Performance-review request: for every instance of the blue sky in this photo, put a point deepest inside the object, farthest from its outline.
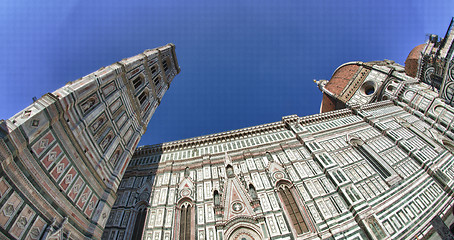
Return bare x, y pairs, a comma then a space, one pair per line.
243, 63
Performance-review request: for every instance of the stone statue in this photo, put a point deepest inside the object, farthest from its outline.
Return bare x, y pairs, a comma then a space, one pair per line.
229, 171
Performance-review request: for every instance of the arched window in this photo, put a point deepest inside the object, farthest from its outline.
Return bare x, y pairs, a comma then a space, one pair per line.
217, 198
185, 222
296, 217
448, 144
269, 157
140, 222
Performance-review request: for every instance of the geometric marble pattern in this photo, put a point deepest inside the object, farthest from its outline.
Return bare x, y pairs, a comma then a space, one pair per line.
62, 159
366, 171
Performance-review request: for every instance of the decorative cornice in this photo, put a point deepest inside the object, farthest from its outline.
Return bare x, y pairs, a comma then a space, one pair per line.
209, 139
377, 105
324, 116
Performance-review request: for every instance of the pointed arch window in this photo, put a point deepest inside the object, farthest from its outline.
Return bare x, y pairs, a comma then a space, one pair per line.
185, 222
269, 157
140, 222
217, 198
293, 211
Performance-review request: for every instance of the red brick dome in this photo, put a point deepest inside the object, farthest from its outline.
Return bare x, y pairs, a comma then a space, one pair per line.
411, 63
341, 77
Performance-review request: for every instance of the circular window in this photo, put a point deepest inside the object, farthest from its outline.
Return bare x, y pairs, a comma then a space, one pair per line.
237, 207
428, 75
451, 71
449, 91
185, 192
279, 175
368, 88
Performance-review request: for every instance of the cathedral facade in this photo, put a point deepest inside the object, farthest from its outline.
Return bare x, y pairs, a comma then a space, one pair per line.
63, 157
376, 163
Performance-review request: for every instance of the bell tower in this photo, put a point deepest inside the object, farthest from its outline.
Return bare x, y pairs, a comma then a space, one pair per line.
63, 157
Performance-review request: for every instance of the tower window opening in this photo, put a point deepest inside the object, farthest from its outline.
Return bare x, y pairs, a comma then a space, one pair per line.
142, 97
164, 65
252, 192
137, 82
153, 69
156, 81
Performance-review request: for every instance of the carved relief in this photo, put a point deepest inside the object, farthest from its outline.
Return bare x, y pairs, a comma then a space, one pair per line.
244, 233
8, 210
106, 141
449, 91
35, 123
115, 156
34, 233
90, 103
26, 113
91, 206
96, 125
76, 188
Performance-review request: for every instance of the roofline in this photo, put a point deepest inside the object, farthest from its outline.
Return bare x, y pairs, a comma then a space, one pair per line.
348, 63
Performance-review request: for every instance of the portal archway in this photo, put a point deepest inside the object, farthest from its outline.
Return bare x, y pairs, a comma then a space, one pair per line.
243, 231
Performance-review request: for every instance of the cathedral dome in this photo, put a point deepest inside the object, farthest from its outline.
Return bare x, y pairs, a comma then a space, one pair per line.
338, 82
328, 104
341, 77
411, 63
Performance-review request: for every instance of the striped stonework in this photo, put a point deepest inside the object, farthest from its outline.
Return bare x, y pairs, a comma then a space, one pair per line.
63, 157
381, 168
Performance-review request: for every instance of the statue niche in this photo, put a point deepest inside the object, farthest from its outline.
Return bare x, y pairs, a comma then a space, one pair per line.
229, 171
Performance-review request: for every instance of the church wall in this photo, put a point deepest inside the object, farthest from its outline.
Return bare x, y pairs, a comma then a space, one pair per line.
375, 171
